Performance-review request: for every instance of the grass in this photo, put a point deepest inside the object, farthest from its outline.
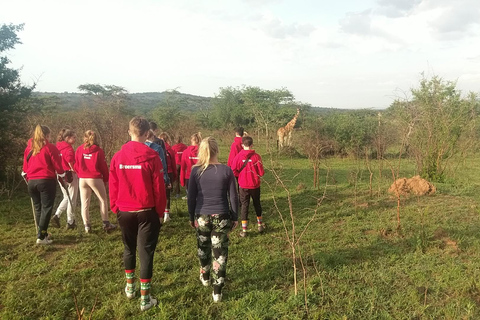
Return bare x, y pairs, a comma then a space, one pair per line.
357, 264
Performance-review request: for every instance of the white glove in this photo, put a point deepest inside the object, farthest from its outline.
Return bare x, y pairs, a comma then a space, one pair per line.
24, 174
62, 175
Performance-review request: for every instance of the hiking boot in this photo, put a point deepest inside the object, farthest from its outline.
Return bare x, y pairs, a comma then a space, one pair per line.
205, 283
109, 227
243, 234
45, 240
216, 297
55, 221
261, 227
130, 293
88, 228
145, 306
184, 198
71, 226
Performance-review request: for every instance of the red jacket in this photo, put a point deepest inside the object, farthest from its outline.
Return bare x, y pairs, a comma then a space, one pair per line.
67, 153
234, 150
189, 158
249, 177
90, 163
179, 148
45, 164
136, 179
171, 163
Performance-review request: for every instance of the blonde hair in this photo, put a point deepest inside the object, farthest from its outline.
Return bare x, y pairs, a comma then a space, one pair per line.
196, 137
39, 138
207, 149
139, 126
90, 138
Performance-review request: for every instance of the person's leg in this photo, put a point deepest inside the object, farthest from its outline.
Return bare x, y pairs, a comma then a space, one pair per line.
37, 202
85, 195
64, 203
255, 194
177, 183
129, 225
204, 245
186, 189
245, 203
47, 189
73, 191
169, 194
148, 230
98, 186
221, 227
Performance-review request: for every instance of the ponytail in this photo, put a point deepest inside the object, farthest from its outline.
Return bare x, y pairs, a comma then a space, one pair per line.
90, 139
39, 138
207, 149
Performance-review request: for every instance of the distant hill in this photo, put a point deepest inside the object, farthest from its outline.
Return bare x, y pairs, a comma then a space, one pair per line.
145, 102
140, 102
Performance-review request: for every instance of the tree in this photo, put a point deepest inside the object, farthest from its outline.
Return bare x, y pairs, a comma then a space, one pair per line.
438, 120
12, 113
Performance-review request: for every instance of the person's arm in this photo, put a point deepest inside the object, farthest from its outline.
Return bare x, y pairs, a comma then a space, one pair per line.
56, 159
158, 187
232, 191
113, 187
192, 194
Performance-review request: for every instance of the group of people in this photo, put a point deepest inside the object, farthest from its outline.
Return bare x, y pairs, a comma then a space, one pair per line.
140, 179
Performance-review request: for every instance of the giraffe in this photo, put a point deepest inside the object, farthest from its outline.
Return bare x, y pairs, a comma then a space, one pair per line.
285, 133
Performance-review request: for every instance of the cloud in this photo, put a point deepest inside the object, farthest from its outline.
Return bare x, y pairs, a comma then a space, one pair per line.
396, 8
456, 21
278, 30
357, 23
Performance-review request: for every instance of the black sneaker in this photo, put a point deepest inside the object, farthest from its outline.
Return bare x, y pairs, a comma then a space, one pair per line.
55, 221
109, 227
71, 226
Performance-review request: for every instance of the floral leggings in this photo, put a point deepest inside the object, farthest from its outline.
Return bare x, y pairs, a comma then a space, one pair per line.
212, 237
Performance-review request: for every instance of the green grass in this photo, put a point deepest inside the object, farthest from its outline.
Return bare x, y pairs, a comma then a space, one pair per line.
357, 264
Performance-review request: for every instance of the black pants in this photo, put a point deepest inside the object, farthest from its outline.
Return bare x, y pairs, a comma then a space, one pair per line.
144, 226
169, 191
245, 195
42, 192
177, 182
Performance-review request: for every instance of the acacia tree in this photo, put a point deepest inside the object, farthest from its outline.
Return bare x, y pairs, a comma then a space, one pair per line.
438, 120
12, 111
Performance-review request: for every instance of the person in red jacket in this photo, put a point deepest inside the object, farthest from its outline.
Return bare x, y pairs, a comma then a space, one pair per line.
248, 167
189, 158
172, 171
92, 170
236, 146
41, 164
137, 196
179, 147
66, 138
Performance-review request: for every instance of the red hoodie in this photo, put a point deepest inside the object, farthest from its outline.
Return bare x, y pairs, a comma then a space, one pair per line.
45, 164
90, 163
189, 158
136, 179
234, 150
67, 153
171, 163
179, 148
249, 177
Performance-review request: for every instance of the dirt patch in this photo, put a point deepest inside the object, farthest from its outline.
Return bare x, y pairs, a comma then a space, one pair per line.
415, 185
447, 243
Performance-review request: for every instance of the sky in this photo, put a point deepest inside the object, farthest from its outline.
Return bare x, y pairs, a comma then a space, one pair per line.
340, 54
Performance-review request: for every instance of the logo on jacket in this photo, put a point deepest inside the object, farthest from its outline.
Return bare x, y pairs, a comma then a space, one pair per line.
87, 156
129, 166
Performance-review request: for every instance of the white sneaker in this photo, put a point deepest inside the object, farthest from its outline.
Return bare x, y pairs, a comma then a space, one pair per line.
216, 297
205, 283
131, 295
184, 198
153, 302
45, 240
166, 217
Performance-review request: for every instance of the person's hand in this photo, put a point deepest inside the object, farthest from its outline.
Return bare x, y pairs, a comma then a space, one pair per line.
169, 186
161, 221
234, 224
24, 174
193, 224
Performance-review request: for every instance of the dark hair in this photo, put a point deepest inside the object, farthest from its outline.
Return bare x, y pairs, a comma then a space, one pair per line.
239, 130
165, 137
153, 125
179, 139
247, 141
139, 126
